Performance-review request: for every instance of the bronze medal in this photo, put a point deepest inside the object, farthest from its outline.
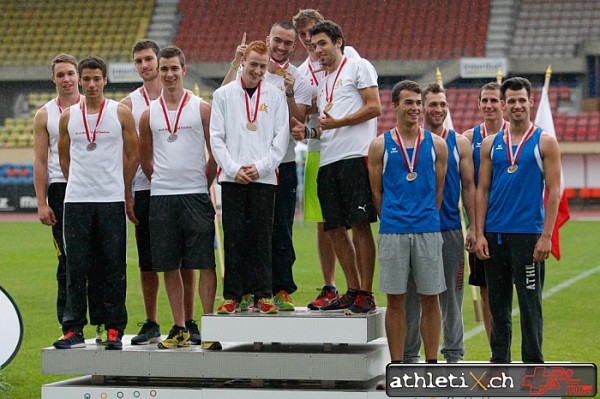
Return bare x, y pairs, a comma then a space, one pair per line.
513, 168
411, 176
328, 107
172, 138
91, 147
251, 126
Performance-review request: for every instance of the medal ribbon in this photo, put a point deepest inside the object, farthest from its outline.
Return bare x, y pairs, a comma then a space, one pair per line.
484, 132
285, 65
411, 163
329, 97
251, 117
92, 137
163, 105
444, 134
60, 109
513, 158
312, 72
145, 95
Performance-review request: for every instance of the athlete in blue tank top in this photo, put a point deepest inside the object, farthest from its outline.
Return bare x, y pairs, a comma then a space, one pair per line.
407, 165
513, 232
489, 103
408, 206
459, 168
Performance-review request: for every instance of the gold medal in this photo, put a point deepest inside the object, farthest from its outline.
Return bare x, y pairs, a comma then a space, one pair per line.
411, 176
91, 147
251, 126
513, 168
172, 138
280, 72
328, 107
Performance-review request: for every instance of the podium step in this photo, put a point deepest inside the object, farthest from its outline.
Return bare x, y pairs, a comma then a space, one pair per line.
301, 326
84, 387
236, 360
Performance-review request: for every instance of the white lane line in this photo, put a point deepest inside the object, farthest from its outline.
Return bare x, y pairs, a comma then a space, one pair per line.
557, 288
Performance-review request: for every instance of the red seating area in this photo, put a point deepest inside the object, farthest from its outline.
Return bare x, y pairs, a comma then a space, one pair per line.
465, 114
379, 30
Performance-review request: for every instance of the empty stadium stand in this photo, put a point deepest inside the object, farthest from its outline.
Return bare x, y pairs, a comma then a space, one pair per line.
210, 31
18, 132
547, 28
33, 32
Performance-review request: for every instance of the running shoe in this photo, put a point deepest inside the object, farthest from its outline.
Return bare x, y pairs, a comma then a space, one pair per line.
178, 337
283, 301
265, 305
114, 340
342, 303
149, 333
70, 340
364, 304
325, 297
101, 335
192, 327
229, 306
247, 302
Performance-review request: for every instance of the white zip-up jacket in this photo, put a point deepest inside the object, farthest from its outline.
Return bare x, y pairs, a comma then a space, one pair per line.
234, 145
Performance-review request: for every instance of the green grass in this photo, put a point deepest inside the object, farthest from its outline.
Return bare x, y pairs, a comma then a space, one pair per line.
27, 272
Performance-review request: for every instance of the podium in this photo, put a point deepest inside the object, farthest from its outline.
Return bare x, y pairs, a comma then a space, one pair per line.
300, 354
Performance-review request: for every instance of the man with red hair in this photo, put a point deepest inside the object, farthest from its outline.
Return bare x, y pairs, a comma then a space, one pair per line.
249, 135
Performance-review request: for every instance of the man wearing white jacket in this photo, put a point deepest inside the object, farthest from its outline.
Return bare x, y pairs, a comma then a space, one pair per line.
249, 134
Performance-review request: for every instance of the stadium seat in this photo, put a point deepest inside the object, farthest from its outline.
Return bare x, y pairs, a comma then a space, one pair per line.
38, 32
207, 18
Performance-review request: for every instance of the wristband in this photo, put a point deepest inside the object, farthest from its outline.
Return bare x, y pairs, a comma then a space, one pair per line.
308, 132
233, 67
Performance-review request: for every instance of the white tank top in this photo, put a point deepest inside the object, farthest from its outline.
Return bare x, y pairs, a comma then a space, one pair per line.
138, 106
96, 176
55, 174
179, 166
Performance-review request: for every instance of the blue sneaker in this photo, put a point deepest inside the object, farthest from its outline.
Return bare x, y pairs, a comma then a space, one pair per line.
149, 333
70, 340
114, 340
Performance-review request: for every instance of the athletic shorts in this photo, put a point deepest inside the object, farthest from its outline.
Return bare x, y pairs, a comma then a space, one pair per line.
421, 254
345, 194
182, 232
476, 271
312, 206
142, 229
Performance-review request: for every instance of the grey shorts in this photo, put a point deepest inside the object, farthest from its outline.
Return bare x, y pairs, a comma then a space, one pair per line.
182, 232
421, 254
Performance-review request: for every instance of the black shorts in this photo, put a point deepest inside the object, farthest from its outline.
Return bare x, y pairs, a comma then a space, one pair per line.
142, 230
345, 194
182, 232
476, 271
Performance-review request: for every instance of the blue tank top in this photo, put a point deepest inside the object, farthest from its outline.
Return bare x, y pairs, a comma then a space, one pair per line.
516, 199
476, 147
409, 207
449, 212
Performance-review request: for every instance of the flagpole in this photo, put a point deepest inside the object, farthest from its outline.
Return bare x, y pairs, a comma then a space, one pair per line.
213, 198
438, 76
463, 224
548, 76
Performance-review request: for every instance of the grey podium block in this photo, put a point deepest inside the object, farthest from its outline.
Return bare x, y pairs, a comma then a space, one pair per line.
84, 387
301, 326
237, 361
